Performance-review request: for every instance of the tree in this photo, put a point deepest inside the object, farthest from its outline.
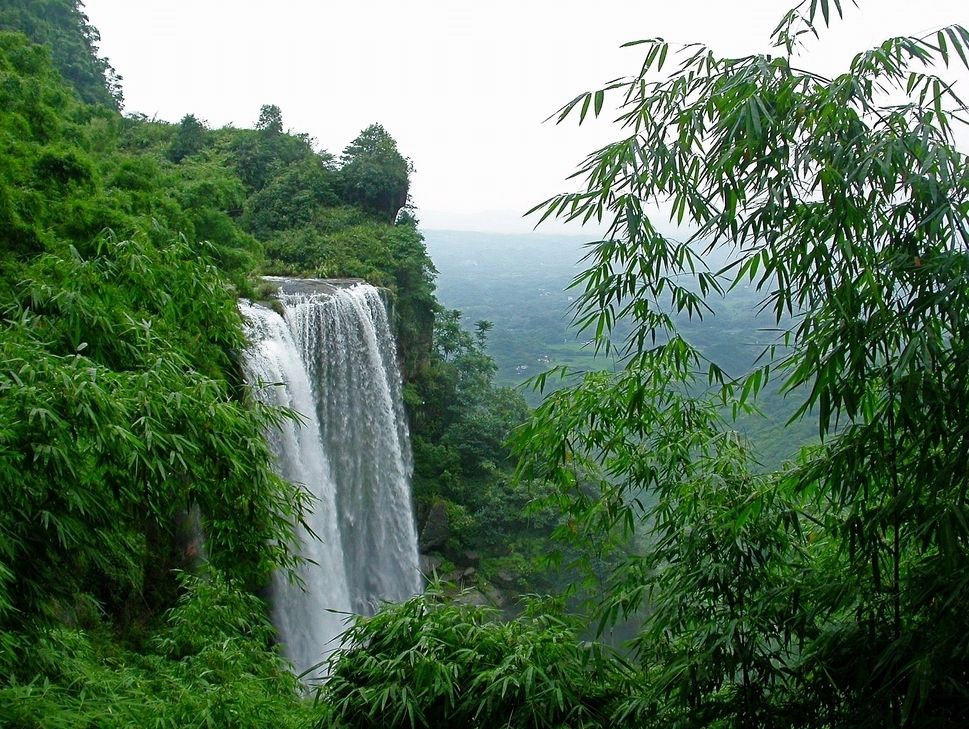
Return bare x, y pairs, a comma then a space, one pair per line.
292, 197
189, 138
844, 201
270, 119
267, 151
464, 409
481, 329
374, 174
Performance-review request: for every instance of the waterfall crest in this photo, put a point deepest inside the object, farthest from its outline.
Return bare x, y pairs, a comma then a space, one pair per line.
332, 358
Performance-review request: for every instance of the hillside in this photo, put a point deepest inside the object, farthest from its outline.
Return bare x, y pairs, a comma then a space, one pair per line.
126, 243
521, 284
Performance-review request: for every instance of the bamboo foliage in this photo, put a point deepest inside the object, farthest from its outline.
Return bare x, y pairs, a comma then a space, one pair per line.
844, 201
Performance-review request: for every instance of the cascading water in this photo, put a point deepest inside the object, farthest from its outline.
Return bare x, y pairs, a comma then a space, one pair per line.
274, 367
332, 359
365, 429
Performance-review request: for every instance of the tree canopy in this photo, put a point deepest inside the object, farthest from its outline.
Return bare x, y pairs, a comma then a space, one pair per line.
63, 27
374, 174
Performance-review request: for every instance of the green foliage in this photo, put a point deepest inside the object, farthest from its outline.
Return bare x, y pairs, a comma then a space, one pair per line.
270, 120
461, 420
263, 153
465, 410
63, 27
292, 199
117, 417
844, 202
460, 423
430, 663
208, 194
65, 178
374, 175
207, 665
121, 407
706, 582
189, 139
121, 411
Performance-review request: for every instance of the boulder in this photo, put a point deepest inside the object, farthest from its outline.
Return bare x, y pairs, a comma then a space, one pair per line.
506, 577
429, 564
495, 596
436, 529
473, 597
461, 576
463, 557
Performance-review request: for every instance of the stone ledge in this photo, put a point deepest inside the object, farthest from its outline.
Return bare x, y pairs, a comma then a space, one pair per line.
311, 286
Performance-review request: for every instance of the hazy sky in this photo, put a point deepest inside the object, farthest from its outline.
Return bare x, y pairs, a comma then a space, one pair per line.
463, 86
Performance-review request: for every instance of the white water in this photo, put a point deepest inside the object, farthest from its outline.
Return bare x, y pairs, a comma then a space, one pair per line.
332, 358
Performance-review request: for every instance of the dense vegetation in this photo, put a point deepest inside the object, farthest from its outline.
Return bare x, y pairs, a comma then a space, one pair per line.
831, 592
73, 42
828, 593
122, 416
124, 423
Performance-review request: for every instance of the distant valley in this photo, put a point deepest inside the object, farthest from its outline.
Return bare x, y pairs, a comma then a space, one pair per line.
519, 282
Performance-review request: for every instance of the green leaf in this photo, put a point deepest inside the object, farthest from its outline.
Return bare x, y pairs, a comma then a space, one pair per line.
585, 107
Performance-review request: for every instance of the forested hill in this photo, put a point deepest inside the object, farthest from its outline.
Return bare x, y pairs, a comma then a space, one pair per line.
64, 29
124, 244
265, 199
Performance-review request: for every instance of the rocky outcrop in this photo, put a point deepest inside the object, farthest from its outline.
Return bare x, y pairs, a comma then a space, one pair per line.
436, 530
311, 285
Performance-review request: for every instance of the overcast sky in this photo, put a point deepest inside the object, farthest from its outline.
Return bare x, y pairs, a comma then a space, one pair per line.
463, 86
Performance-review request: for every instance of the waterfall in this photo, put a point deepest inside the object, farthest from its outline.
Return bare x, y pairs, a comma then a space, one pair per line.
332, 358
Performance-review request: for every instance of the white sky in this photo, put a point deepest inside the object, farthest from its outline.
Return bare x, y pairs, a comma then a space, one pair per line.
463, 86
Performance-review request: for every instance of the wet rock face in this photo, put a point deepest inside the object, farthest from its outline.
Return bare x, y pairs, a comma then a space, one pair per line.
312, 285
436, 528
